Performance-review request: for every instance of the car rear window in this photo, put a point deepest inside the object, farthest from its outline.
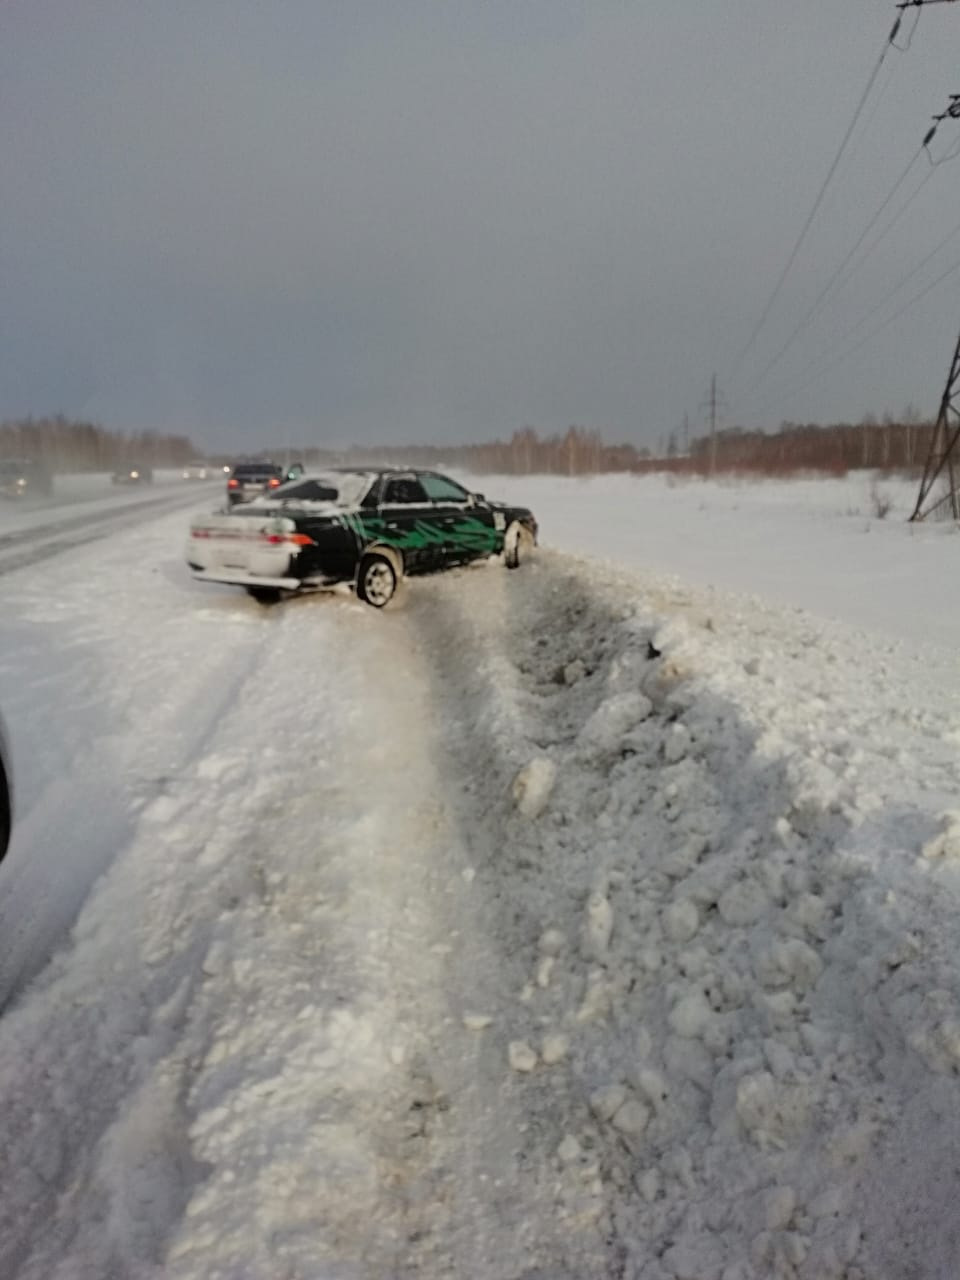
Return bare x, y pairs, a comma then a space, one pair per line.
340, 488
307, 491
261, 472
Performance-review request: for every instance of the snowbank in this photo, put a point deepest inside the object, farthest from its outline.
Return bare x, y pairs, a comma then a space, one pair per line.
566, 922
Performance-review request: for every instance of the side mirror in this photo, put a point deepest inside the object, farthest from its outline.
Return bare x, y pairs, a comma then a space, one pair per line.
294, 472
477, 500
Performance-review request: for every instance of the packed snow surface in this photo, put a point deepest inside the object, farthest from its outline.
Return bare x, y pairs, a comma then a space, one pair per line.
581, 921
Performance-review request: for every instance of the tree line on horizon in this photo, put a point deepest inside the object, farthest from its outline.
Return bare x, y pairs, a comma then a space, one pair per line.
888, 444
68, 445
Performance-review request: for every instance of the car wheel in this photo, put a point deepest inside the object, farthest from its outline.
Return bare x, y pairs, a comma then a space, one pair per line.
517, 545
376, 580
265, 595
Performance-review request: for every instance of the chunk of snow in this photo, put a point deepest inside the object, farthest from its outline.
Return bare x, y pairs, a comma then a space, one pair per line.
520, 1056
676, 743
551, 942
476, 1021
596, 998
691, 1016
555, 1048
532, 786
605, 728
606, 1101
569, 1149
653, 1085
631, 1118
681, 920
597, 927
946, 844
742, 903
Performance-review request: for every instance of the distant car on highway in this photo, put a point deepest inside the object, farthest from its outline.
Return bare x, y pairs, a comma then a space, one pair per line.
250, 479
369, 528
24, 477
136, 474
197, 471
6, 795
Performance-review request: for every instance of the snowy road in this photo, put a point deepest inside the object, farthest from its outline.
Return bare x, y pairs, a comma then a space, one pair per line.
31, 532
478, 938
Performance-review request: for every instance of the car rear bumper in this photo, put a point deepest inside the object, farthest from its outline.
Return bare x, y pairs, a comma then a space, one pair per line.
240, 579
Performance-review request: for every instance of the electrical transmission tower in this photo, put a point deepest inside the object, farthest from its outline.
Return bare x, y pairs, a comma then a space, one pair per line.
944, 456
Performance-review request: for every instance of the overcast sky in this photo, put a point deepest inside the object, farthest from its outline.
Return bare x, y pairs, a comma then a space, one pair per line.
330, 220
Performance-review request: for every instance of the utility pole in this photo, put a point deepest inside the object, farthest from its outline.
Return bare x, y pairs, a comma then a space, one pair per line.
943, 454
713, 405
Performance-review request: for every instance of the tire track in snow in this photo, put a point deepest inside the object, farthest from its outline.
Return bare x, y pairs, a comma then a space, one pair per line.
99, 1022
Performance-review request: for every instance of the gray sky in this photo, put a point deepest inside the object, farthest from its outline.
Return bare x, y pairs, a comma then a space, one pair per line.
334, 220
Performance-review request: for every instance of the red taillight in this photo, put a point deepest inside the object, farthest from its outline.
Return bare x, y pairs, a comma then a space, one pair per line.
298, 539
274, 483
233, 484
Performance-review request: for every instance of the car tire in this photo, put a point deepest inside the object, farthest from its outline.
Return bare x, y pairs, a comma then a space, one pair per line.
376, 580
517, 545
265, 595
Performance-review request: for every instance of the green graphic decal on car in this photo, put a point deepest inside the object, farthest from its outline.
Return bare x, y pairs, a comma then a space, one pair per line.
463, 534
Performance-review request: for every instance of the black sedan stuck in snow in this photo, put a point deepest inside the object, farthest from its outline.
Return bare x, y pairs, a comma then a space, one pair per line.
368, 528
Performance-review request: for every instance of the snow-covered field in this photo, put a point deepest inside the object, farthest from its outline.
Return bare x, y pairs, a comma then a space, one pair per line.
593, 920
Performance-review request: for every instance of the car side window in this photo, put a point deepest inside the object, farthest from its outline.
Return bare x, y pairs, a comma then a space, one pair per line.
402, 492
440, 489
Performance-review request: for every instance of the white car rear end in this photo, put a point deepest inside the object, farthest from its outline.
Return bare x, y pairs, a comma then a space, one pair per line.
249, 550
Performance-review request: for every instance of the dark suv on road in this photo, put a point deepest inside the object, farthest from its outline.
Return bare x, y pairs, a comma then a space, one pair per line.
250, 479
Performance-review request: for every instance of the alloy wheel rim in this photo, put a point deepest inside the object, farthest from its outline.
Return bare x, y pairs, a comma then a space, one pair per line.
378, 583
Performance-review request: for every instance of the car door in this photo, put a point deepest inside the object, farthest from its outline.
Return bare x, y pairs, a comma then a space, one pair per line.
406, 522
470, 528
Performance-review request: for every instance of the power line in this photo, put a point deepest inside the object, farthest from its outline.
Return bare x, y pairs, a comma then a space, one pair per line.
905, 279
820, 369
832, 282
820, 194
840, 276
838, 281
